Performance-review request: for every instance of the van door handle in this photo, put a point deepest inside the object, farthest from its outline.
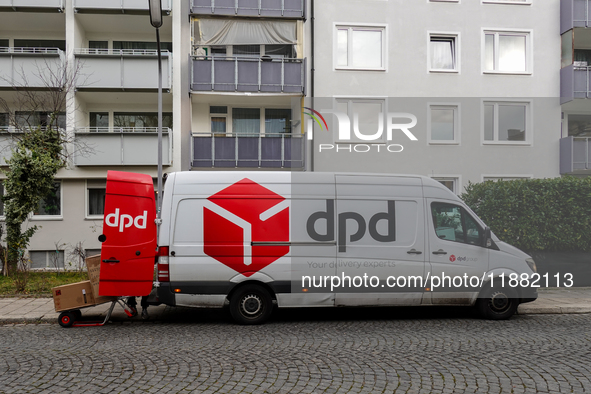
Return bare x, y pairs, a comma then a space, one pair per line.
440, 251
110, 261
414, 251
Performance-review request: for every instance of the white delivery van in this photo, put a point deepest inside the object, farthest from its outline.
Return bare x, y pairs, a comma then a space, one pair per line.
255, 240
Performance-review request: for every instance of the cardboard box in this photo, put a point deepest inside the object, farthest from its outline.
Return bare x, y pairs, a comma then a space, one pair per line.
72, 296
93, 264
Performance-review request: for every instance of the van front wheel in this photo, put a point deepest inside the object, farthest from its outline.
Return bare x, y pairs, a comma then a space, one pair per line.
497, 304
251, 304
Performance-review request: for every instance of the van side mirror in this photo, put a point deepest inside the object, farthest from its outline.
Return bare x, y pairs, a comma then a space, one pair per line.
487, 241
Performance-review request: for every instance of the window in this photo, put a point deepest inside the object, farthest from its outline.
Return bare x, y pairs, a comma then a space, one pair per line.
360, 47
277, 121
60, 44
217, 50
507, 52
47, 259
450, 182
4, 120
443, 53
141, 45
506, 122
247, 50
52, 204
504, 178
26, 120
280, 51
99, 119
507, 1
96, 193
444, 124
246, 121
453, 223
141, 119
218, 117
98, 44
364, 115
4, 43
579, 125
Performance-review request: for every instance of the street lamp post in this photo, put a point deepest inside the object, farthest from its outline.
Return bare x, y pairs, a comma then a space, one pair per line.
156, 21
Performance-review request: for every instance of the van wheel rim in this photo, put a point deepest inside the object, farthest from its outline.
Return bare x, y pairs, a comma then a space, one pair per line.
251, 305
499, 302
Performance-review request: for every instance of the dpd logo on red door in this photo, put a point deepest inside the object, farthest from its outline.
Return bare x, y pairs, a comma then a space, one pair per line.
243, 216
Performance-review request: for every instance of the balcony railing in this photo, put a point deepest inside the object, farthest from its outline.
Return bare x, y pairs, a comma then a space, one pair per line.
8, 139
137, 146
280, 150
130, 5
575, 154
30, 67
123, 69
266, 8
575, 83
574, 13
244, 74
57, 5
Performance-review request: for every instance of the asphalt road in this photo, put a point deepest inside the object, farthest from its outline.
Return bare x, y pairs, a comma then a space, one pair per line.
304, 351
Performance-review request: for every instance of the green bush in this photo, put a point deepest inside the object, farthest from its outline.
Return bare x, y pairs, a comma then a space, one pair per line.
536, 215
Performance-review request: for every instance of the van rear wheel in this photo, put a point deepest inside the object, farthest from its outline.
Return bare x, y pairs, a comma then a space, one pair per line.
497, 303
251, 304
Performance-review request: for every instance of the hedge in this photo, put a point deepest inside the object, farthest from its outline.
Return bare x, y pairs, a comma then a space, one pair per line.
536, 215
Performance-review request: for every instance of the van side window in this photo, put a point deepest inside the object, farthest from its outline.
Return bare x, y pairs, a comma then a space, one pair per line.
454, 223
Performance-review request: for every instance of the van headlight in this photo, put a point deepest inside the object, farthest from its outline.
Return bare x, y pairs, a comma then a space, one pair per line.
532, 264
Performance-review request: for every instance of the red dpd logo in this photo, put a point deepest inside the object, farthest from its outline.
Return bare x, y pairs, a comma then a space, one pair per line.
230, 243
452, 258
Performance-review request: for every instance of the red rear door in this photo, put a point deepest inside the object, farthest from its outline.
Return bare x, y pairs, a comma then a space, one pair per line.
129, 234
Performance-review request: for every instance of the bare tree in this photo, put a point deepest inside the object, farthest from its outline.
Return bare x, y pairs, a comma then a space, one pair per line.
41, 145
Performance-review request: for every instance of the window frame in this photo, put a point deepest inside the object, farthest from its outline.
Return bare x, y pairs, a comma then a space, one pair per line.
456, 178
507, 2
92, 184
528, 33
463, 213
457, 123
34, 217
383, 28
360, 99
499, 177
528, 122
455, 36
47, 267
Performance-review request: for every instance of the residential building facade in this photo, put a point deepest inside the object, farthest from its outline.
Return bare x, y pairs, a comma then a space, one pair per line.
482, 81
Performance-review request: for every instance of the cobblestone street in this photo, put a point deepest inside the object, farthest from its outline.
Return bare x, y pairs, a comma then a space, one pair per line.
336, 351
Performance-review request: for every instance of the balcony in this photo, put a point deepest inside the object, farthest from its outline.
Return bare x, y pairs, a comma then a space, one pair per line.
123, 69
8, 139
117, 5
30, 67
266, 8
575, 83
243, 74
33, 5
249, 151
575, 155
574, 13
122, 146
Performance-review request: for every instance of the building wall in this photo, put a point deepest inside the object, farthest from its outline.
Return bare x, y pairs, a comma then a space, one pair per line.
407, 74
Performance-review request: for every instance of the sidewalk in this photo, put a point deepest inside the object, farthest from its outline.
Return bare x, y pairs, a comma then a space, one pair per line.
34, 310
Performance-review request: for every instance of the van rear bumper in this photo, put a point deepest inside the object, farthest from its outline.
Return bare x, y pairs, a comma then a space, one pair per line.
165, 294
